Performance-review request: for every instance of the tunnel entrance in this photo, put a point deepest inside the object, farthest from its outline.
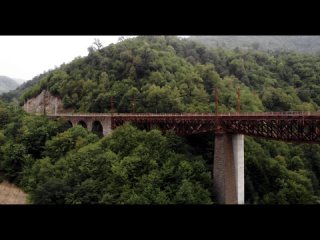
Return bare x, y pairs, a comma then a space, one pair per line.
97, 128
82, 123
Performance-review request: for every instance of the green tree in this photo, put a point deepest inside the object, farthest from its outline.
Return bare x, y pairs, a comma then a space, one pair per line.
128, 167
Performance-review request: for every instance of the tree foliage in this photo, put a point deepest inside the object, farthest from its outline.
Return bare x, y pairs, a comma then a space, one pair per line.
129, 167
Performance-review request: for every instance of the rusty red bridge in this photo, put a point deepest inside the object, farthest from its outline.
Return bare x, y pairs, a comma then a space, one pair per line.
284, 126
229, 129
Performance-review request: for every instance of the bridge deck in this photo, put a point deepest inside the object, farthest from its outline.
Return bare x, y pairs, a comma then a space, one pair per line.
285, 126
246, 114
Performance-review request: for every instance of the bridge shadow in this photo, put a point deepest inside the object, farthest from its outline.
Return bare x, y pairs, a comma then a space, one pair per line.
83, 124
97, 128
69, 124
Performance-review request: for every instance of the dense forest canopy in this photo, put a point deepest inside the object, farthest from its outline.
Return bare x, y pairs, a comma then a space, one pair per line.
163, 74
168, 74
57, 165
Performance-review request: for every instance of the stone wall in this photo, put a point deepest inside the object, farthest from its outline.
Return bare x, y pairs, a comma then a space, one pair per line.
53, 105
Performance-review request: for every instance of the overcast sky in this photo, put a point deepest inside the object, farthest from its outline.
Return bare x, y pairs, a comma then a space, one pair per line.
25, 57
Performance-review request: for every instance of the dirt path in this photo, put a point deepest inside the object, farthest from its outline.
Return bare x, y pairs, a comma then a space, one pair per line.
10, 194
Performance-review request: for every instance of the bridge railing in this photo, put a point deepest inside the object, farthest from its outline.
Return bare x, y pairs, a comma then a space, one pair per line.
289, 113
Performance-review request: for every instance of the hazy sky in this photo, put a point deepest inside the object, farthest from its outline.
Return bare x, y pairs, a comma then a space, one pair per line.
25, 57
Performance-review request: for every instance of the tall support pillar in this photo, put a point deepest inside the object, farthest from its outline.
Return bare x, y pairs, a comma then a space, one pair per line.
238, 154
106, 124
74, 122
228, 170
56, 106
89, 125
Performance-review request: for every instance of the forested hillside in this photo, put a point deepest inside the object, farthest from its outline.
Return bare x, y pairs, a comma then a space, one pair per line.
14, 95
300, 44
57, 165
164, 74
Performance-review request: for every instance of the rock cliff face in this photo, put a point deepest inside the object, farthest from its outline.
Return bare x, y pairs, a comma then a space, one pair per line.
53, 105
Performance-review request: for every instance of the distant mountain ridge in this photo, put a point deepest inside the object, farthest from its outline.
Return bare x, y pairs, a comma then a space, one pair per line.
7, 84
302, 44
19, 80
16, 92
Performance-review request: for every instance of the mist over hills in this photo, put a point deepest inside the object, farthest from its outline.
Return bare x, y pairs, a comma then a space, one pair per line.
7, 84
302, 44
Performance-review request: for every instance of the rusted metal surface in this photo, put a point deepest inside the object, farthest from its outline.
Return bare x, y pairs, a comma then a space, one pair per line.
238, 100
284, 126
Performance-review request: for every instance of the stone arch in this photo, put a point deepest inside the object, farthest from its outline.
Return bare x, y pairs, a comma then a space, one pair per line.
97, 128
83, 124
70, 124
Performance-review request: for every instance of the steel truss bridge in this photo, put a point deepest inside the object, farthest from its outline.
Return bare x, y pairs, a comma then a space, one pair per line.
284, 126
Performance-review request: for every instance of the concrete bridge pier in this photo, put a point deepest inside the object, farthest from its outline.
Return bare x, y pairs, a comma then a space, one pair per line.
228, 168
